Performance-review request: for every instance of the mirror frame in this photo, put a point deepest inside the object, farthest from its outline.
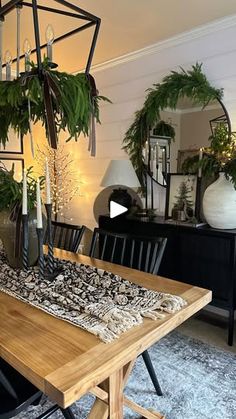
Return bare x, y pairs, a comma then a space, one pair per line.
191, 83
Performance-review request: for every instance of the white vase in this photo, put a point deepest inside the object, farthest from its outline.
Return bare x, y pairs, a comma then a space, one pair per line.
219, 204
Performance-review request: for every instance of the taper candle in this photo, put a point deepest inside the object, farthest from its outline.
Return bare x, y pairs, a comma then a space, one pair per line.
24, 195
163, 160
200, 158
39, 207
47, 183
146, 152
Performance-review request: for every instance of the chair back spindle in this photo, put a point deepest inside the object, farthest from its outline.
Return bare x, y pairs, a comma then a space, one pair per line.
142, 253
66, 236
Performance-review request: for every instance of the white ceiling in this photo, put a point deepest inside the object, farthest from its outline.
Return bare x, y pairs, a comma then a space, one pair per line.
127, 25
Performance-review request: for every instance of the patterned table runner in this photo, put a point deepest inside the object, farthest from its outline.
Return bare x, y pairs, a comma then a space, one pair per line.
98, 301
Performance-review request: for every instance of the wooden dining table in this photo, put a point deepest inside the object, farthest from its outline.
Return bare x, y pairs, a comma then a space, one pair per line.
66, 362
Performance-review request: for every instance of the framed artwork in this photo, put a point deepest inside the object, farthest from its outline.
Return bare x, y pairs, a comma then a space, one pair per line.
181, 196
14, 145
183, 155
18, 163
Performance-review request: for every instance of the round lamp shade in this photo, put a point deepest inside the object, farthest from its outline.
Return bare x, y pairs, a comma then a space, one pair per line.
120, 172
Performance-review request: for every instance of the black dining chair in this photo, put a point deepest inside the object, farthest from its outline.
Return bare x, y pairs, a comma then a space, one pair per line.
66, 236
142, 253
17, 394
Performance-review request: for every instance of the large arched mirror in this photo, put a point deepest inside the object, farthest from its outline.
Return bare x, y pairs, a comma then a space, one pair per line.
187, 103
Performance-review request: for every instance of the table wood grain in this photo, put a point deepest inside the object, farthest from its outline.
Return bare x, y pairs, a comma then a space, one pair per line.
64, 361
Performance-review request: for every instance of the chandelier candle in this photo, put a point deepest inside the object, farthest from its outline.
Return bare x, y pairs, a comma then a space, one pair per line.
27, 52
25, 224
8, 60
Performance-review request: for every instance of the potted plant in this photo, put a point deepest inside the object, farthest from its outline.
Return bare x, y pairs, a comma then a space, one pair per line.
10, 215
218, 161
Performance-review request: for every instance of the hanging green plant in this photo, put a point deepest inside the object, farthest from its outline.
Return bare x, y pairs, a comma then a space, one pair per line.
164, 129
178, 84
60, 101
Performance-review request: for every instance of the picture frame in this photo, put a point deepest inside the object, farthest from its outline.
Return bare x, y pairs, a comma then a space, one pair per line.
182, 196
183, 155
14, 145
18, 166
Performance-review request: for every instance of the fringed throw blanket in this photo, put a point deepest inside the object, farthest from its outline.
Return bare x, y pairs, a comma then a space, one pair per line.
93, 299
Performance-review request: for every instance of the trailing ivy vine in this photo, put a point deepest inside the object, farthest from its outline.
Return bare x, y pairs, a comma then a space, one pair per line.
178, 84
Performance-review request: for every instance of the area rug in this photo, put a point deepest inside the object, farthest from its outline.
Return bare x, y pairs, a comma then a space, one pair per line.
198, 382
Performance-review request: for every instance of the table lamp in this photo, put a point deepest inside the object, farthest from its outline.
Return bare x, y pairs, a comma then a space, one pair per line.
122, 173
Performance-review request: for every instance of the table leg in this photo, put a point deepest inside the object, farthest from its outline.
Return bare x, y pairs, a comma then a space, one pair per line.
115, 396
100, 408
110, 400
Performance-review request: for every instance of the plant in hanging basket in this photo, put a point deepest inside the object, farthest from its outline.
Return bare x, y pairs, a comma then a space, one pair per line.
164, 129
60, 101
178, 84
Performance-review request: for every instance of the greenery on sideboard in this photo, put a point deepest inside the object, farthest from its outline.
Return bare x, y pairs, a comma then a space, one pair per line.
72, 99
165, 95
11, 190
220, 156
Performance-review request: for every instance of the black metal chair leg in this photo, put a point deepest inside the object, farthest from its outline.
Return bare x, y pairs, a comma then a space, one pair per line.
67, 413
151, 371
231, 327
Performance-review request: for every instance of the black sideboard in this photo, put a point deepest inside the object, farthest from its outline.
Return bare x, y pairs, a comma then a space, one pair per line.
200, 256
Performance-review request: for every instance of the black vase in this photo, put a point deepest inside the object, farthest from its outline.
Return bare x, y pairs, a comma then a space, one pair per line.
8, 238
121, 196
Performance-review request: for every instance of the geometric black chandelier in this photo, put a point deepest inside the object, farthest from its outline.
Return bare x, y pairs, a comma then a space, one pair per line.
72, 11
42, 92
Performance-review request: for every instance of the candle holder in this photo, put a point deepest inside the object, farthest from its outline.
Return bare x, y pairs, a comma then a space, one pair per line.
50, 258
41, 263
25, 246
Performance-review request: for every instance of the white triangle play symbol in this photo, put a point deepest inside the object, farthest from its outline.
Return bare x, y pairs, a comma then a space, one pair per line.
116, 209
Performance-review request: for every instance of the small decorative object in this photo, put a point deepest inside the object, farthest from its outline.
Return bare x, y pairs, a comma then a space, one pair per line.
181, 197
218, 160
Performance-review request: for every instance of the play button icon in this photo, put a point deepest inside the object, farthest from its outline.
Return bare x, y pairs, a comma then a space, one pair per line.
116, 209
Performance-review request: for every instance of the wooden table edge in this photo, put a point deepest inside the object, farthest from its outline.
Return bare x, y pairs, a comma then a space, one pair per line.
81, 385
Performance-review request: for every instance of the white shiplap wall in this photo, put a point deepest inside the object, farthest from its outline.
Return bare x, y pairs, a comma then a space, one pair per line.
125, 80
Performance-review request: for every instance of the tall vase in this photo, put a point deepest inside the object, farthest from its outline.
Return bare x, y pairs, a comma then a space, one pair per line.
8, 238
219, 204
